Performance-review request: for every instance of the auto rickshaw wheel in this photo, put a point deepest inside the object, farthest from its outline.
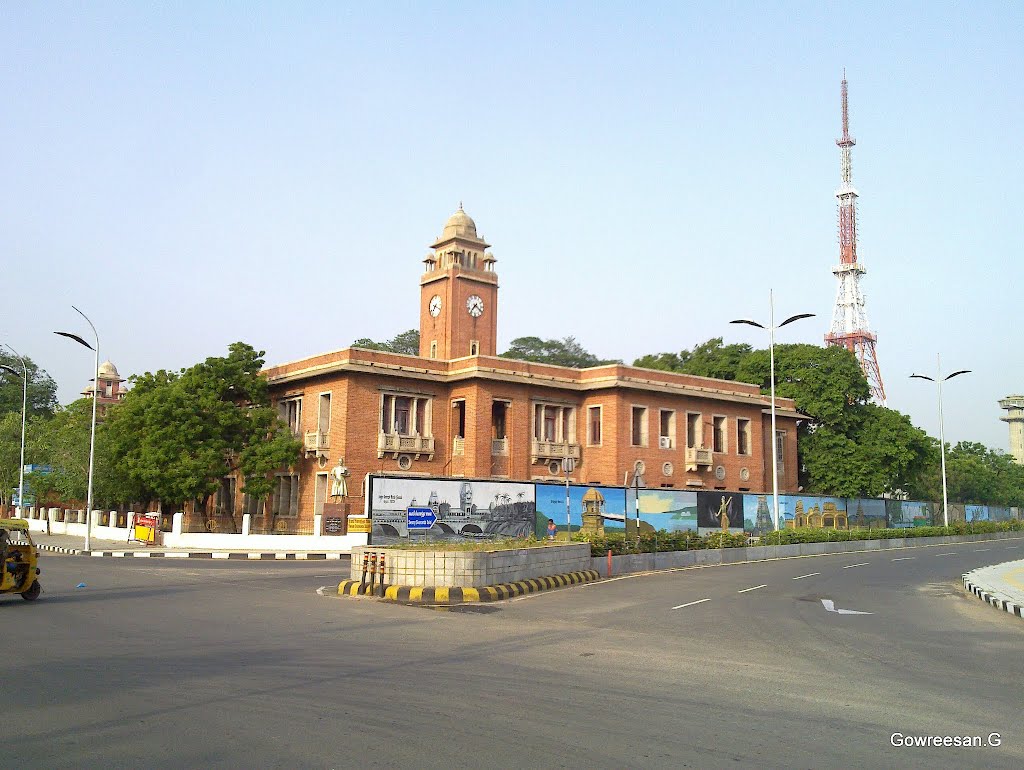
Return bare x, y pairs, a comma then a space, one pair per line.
33, 592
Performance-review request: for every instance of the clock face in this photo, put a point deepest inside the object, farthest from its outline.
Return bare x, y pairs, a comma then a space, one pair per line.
475, 306
435, 305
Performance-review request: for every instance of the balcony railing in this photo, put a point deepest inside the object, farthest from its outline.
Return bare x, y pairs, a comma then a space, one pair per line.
499, 446
395, 444
553, 450
697, 457
317, 442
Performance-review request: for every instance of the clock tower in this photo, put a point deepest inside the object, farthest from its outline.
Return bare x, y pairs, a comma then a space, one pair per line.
459, 294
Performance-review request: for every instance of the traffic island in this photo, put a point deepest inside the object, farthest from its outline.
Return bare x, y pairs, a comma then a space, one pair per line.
484, 572
449, 595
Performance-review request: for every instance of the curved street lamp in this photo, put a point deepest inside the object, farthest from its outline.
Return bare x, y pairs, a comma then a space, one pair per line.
24, 404
92, 432
938, 380
771, 357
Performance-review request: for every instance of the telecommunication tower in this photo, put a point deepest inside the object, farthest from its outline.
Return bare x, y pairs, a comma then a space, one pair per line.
849, 320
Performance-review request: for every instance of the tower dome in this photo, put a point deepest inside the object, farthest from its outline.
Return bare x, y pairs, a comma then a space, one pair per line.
459, 224
109, 372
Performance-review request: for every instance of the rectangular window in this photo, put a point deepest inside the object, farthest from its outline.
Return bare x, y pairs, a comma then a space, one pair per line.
499, 419
320, 494
459, 418
694, 439
323, 417
666, 428
252, 505
405, 415
639, 426
285, 501
742, 436
594, 426
780, 449
718, 435
224, 502
554, 423
290, 410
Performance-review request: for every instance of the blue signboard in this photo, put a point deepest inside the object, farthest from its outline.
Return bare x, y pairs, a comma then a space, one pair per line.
420, 518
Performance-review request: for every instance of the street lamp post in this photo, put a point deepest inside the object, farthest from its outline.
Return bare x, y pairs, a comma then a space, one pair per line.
92, 431
24, 405
771, 358
938, 380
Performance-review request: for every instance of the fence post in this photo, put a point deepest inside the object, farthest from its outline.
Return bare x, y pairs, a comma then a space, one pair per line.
177, 522
246, 524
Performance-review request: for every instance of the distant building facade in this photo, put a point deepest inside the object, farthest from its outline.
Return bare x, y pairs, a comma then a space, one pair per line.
459, 410
1014, 406
110, 390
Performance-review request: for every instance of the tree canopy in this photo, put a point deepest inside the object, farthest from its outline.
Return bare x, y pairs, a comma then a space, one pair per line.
563, 352
408, 342
42, 390
176, 435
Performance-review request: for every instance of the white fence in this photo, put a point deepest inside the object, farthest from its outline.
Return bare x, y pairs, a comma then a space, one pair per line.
48, 520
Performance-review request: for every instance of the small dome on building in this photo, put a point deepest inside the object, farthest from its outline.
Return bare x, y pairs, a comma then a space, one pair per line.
108, 371
593, 496
459, 225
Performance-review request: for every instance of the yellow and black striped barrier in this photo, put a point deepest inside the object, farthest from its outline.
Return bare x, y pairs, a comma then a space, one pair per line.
442, 595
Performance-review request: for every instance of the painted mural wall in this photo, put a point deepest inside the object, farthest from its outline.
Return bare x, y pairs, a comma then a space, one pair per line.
480, 509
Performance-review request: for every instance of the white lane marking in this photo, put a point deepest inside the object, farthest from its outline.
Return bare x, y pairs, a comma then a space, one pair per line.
763, 585
321, 589
861, 564
979, 550
830, 606
690, 604
951, 553
905, 558
1011, 547
809, 574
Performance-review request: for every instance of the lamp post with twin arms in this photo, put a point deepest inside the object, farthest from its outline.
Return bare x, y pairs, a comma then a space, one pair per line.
771, 358
24, 405
92, 431
938, 379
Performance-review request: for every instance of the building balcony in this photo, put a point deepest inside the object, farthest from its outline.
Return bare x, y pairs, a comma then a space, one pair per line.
317, 443
697, 458
499, 446
553, 450
395, 444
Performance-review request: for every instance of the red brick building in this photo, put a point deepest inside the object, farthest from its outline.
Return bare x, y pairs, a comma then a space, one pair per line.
458, 409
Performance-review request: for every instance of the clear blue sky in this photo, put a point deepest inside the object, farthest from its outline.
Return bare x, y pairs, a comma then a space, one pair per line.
192, 174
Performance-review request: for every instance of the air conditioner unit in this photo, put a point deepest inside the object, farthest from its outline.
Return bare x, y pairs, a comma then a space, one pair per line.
664, 442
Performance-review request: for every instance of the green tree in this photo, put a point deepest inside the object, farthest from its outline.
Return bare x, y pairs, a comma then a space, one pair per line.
408, 342
10, 454
977, 474
42, 390
709, 359
563, 352
176, 435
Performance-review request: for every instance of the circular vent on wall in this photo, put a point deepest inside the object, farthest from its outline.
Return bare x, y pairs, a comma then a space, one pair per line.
554, 467
404, 462
720, 472
667, 469
640, 467
744, 474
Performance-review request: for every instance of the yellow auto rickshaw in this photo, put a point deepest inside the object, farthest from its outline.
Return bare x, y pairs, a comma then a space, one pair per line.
18, 560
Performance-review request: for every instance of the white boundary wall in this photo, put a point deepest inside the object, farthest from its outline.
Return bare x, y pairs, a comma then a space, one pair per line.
45, 521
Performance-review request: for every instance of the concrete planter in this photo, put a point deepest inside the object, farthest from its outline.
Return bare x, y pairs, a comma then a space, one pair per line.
473, 569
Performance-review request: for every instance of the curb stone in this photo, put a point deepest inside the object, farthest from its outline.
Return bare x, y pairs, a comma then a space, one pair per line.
985, 593
446, 596
143, 554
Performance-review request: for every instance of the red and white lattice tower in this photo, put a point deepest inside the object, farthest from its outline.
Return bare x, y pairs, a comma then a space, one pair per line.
849, 320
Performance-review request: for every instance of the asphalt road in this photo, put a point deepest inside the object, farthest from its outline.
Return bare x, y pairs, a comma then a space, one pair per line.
197, 664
